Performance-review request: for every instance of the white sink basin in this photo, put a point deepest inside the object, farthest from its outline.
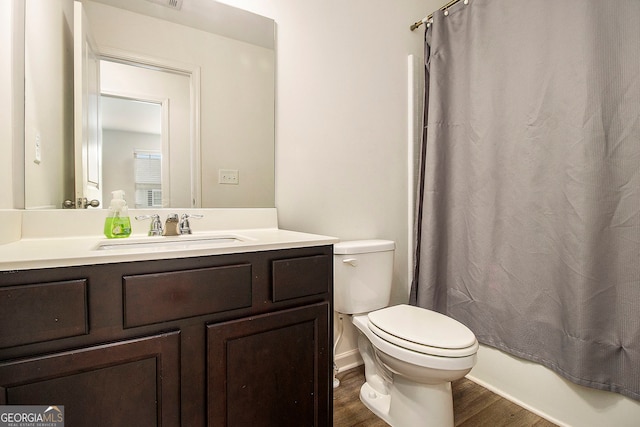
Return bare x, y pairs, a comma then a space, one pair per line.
171, 242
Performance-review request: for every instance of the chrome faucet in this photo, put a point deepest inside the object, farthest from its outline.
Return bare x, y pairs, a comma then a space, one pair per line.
156, 226
172, 226
184, 226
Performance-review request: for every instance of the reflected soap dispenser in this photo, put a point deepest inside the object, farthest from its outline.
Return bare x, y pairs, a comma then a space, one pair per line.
117, 224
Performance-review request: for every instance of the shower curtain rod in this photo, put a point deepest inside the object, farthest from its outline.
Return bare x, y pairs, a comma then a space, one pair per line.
428, 17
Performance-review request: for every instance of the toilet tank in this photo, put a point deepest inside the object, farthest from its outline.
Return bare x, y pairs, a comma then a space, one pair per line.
362, 275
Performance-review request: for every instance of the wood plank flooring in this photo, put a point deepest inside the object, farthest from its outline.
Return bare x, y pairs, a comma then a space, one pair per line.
474, 406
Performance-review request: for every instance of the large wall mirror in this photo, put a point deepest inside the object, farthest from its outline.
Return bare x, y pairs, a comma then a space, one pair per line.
182, 114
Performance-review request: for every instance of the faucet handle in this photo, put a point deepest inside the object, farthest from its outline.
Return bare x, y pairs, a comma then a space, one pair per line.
156, 225
185, 227
195, 216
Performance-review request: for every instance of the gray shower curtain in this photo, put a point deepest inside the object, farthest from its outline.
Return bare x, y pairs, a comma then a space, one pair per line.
528, 222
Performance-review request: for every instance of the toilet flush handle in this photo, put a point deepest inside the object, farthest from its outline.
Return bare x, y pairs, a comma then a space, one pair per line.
353, 262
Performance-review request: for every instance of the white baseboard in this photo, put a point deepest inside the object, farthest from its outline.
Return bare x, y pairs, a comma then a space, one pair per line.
348, 360
545, 393
515, 400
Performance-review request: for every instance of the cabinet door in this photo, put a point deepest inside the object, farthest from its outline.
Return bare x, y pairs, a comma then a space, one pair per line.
271, 370
134, 382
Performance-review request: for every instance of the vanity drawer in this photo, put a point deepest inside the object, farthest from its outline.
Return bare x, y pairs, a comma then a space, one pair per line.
42, 312
161, 297
300, 277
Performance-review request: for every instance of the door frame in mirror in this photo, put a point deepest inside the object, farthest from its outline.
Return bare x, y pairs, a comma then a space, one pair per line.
163, 104
193, 71
86, 113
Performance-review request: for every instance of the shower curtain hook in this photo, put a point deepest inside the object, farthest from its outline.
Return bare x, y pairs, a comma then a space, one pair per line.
446, 12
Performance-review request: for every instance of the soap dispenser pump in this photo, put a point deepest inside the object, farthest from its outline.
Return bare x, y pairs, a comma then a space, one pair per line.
117, 224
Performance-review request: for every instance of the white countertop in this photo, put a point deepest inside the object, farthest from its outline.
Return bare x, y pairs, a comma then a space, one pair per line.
69, 251
47, 249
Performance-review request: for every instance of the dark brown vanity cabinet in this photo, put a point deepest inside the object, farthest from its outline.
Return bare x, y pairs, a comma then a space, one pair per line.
224, 340
106, 385
264, 370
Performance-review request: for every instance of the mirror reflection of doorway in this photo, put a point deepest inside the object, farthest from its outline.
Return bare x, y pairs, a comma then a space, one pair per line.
132, 149
146, 134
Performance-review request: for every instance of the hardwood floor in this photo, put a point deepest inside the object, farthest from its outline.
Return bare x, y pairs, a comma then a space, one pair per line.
474, 406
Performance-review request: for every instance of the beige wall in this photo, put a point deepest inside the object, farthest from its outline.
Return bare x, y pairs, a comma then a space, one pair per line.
341, 161
11, 104
342, 150
6, 117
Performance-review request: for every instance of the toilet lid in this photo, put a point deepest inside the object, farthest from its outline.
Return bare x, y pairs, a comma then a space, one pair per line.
423, 330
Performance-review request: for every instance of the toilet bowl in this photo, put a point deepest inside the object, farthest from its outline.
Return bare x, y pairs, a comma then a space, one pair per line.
410, 354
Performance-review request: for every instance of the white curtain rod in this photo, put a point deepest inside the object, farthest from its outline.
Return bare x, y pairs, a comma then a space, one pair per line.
428, 18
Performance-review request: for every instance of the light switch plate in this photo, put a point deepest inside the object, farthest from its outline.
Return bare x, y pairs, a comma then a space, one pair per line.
38, 146
228, 176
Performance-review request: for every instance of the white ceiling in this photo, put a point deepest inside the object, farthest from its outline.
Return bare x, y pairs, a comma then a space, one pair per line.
208, 15
130, 115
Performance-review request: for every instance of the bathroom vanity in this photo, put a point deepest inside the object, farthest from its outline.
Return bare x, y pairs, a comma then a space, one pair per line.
216, 336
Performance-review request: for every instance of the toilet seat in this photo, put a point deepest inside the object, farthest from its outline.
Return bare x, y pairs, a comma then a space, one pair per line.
410, 356
423, 331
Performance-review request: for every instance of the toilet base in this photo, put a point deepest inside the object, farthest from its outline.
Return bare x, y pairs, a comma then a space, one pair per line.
414, 405
376, 402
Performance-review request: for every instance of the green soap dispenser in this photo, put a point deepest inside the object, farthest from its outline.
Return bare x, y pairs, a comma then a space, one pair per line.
117, 224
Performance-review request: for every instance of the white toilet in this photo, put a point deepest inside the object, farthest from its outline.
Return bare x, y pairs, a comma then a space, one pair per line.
410, 354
